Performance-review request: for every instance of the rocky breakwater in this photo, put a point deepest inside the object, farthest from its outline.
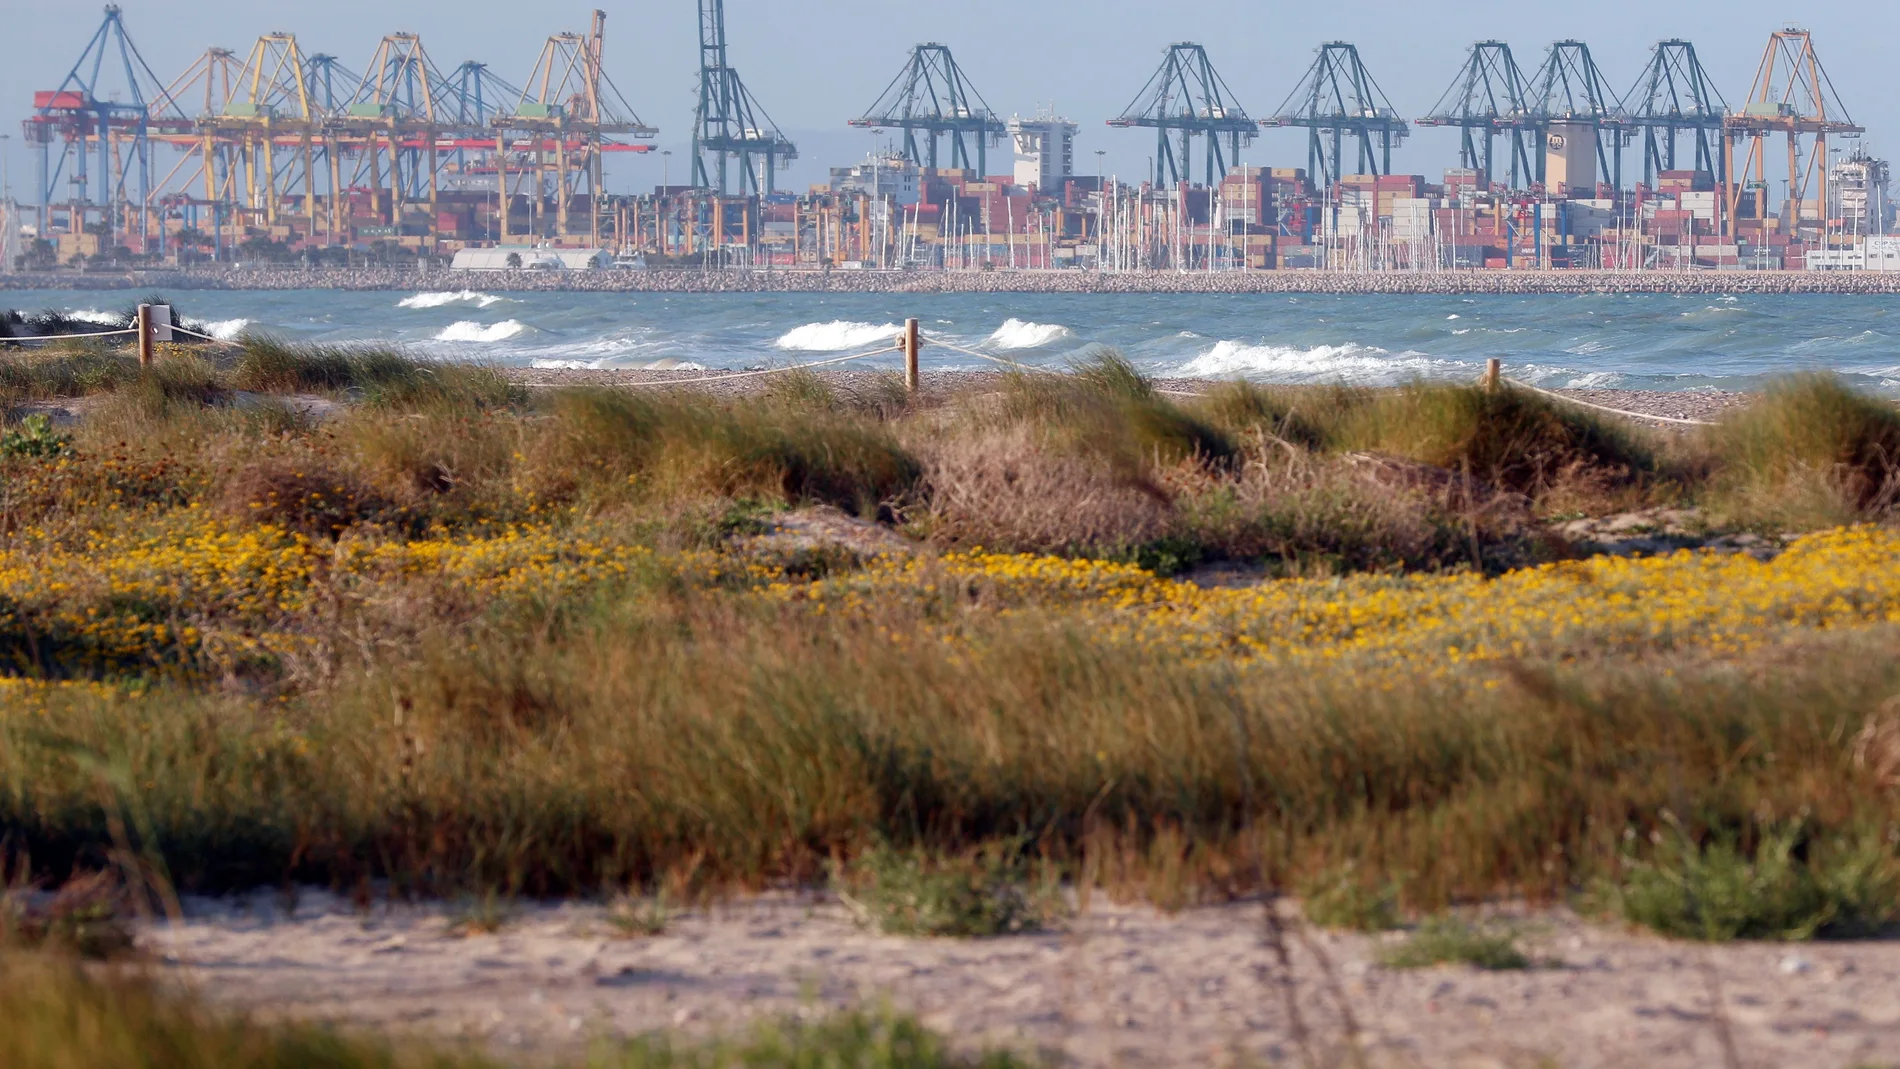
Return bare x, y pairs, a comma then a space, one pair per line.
1462, 283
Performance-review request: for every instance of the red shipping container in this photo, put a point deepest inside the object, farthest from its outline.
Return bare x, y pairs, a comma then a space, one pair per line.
48, 98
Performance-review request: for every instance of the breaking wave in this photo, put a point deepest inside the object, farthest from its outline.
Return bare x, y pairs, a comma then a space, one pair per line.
836, 336
226, 329
94, 315
608, 362
1022, 334
438, 300
468, 330
1362, 364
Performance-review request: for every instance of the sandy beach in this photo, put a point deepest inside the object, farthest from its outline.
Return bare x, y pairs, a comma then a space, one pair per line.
1116, 985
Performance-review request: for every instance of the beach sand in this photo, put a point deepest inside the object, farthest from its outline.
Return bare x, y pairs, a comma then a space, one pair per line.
1121, 985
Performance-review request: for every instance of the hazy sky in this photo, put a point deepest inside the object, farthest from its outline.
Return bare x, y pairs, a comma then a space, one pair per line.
816, 64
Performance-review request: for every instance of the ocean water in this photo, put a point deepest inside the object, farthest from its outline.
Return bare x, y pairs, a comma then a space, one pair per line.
1625, 341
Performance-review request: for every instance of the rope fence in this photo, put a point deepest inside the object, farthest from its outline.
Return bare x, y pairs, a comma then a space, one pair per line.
1606, 408
75, 337
176, 329
910, 343
756, 372
1003, 360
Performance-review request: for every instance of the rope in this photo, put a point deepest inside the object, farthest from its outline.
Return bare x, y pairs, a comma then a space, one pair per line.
1607, 408
750, 374
1003, 360
68, 337
207, 337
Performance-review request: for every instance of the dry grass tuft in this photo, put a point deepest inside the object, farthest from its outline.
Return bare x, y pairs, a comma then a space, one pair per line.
1510, 439
1014, 489
305, 495
1810, 451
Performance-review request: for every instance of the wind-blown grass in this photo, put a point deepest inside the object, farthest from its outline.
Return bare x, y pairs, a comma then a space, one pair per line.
474, 641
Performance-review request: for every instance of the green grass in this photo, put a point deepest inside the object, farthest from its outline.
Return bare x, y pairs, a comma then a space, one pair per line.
1451, 941
1811, 451
56, 1016
1341, 898
988, 893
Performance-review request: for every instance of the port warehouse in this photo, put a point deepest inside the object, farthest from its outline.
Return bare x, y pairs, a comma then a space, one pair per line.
274, 154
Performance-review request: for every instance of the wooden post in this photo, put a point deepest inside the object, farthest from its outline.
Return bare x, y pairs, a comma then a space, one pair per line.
145, 335
1493, 374
912, 343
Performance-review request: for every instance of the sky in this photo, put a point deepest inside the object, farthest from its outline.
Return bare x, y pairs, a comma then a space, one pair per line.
816, 64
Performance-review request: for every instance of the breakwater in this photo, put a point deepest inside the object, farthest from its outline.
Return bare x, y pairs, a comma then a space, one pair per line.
1463, 283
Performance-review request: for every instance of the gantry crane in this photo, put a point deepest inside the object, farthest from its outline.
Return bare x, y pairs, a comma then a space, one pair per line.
1804, 108
102, 117
570, 106
931, 96
1567, 95
728, 124
1338, 99
1488, 98
1672, 96
1188, 97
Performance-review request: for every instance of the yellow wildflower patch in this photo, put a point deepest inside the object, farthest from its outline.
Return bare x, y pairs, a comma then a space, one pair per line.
1724, 603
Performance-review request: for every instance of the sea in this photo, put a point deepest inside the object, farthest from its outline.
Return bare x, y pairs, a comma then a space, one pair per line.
1644, 341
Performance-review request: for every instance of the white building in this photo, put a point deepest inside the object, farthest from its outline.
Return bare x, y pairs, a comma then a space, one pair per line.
1857, 194
1878, 253
531, 258
1045, 150
880, 177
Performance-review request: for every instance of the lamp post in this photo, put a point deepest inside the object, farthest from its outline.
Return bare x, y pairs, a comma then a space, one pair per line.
1101, 211
666, 183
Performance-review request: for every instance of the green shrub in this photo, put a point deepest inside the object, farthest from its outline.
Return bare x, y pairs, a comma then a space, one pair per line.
1787, 887
34, 436
1343, 898
1451, 941
905, 892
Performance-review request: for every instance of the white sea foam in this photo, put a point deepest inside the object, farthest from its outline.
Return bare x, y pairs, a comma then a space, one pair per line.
667, 364
1454, 315
443, 298
836, 336
1323, 363
226, 329
94, 315
468, 330
1595, 380
1022, 334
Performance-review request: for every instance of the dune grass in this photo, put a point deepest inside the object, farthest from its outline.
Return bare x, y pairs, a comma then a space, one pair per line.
480, 643
57, 1016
